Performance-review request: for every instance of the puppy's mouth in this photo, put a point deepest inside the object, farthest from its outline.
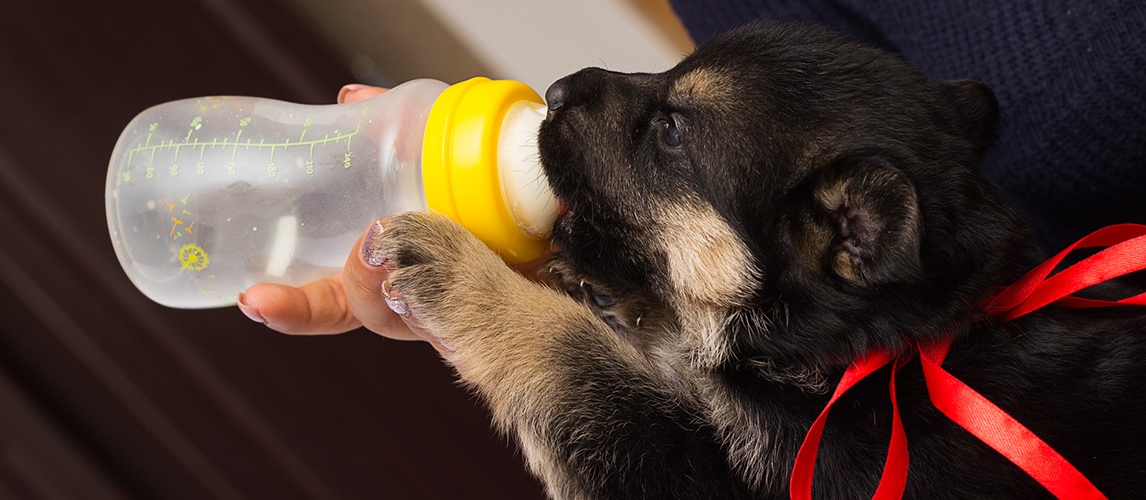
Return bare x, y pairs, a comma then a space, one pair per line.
574, 232
562, 227
558, 224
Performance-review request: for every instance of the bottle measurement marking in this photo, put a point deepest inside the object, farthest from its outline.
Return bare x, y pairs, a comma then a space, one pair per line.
236, 144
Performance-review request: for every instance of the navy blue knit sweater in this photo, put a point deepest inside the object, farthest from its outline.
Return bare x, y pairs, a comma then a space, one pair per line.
1069, 77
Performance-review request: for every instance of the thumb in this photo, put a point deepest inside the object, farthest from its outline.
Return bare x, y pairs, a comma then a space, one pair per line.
362, 281
331, 305
312, 309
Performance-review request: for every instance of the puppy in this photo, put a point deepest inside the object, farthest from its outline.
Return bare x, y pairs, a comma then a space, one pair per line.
735, 231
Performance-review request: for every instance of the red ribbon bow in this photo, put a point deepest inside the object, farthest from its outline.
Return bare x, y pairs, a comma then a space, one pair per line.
1125, 254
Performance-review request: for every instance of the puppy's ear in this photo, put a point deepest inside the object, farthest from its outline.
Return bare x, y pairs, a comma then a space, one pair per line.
872, 212
976, 110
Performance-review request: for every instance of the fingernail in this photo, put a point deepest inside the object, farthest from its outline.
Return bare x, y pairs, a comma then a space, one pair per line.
371, 248
249, 311
346, 89
398, 306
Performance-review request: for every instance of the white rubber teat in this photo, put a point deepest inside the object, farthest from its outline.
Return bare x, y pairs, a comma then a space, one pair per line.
525, 189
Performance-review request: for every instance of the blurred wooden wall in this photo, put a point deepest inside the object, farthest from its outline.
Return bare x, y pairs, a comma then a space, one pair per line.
104, 394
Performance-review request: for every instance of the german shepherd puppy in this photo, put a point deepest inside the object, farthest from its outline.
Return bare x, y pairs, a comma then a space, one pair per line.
735, 231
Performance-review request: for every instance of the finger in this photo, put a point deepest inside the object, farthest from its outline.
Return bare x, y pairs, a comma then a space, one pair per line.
357, 92
312, 309
362, 282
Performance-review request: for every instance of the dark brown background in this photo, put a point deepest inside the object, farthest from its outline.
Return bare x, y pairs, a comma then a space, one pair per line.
104, 394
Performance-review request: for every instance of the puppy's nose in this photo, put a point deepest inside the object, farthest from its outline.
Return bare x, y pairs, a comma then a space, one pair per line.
555, 96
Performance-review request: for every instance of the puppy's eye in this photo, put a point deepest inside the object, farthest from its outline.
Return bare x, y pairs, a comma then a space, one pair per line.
670, 133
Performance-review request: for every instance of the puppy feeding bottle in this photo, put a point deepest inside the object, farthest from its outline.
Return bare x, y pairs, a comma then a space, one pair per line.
206, 197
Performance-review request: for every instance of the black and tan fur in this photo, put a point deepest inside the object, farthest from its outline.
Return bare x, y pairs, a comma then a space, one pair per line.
739, 228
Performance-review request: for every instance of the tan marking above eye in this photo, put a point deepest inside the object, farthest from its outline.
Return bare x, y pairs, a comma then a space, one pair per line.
704, 85
694, 82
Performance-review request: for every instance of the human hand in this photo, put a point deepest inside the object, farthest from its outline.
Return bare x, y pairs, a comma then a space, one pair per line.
343, 302
323, 307
335, 304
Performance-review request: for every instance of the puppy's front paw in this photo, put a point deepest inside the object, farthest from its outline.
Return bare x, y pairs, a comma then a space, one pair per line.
442, 278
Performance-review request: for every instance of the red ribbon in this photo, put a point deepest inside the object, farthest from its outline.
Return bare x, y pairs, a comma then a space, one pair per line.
1126, 253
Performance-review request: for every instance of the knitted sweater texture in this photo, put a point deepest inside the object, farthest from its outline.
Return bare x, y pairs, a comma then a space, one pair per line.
1069, 77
